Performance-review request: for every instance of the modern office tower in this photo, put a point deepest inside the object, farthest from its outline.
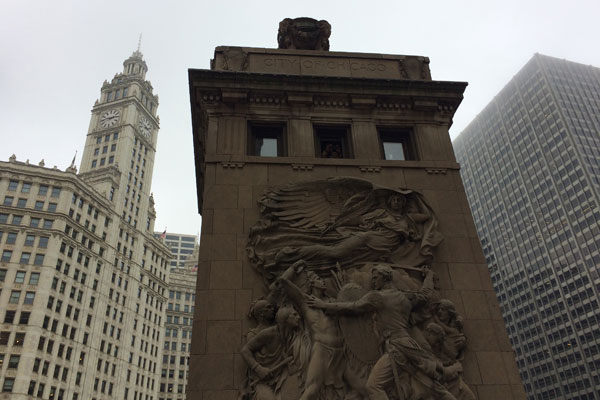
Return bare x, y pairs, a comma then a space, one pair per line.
181, 246
178, 328
83, 280
531, 167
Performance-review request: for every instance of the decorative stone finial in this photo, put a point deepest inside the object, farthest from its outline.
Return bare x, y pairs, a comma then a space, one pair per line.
42, 163
12, 158
304, 34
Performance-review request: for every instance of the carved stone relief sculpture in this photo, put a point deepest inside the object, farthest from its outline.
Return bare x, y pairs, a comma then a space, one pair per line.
351, 310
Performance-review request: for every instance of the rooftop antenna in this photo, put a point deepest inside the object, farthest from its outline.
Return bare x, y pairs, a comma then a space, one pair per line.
139, 43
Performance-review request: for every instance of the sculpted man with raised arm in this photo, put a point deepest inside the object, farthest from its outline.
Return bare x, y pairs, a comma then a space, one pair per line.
392, 308
326, 366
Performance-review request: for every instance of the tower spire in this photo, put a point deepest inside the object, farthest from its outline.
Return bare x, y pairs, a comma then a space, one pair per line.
139, 43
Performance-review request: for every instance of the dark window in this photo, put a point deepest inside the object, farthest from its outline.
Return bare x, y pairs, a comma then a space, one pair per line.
21, 203
266, 140
8, 200
24, 318
43, 190
332, 142
19, 339
4, 337
26, 188
8, 384
396, 144
9, 317
12, 185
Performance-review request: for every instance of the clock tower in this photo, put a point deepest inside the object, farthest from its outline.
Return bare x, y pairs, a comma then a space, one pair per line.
118, 158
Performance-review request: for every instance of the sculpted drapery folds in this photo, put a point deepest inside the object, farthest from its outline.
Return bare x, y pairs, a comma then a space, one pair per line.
350, 260
345, 220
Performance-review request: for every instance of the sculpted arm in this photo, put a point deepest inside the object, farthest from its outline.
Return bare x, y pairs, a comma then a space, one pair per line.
426, 291
368, 303
255, 344
295, 294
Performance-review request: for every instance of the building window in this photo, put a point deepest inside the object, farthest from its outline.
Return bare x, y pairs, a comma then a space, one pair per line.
8, 200
17, 219
22, 203
26, 187
19, 339
11, 238
39, 205
3, 218
8, 385
99, 140
97, 151
43, 243
29, 297
24, 318
332, 142
6, 255
48, 223
12, 185
34, 222
43, 190
15, 295
9, 317
94, 163
396, 144
111, 159
25, 258
20, 277
266, 140
55, 192
52, 207
39, 259
4, 335
102, 161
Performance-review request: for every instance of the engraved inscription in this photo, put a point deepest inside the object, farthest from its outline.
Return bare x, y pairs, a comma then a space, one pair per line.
320, 65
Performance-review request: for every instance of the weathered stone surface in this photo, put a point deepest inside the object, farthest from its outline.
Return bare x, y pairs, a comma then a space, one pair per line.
289, 235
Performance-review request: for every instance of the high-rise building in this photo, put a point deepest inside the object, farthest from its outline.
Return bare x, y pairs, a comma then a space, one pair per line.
531, 168
83, 280
181, 246
178, 328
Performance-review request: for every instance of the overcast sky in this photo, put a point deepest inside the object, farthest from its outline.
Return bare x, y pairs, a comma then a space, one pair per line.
56, 54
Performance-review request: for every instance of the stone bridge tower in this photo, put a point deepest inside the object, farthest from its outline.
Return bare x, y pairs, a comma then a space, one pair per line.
328, 190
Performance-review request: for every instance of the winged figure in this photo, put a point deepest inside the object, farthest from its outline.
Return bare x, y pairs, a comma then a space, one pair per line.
346, 220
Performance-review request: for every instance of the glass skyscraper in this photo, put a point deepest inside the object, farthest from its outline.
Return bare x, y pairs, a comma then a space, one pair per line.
531, 168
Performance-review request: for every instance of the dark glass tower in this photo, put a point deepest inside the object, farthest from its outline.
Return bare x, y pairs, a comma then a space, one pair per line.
531, 168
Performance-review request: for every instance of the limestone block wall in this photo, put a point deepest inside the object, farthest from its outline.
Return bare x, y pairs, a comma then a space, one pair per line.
230, 183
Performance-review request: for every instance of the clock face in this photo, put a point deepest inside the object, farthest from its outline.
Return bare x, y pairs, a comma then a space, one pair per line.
145, 127
109, 118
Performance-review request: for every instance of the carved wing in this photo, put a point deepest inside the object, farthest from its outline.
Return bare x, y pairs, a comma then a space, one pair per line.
310, 205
